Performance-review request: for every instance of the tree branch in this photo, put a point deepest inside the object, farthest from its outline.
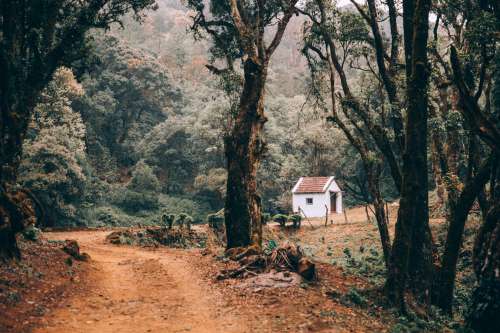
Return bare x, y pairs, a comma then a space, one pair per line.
481, 122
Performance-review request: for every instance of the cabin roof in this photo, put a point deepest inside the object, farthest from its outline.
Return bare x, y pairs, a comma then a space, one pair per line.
312, 184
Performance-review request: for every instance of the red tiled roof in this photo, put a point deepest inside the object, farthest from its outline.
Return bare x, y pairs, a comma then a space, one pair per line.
312, 184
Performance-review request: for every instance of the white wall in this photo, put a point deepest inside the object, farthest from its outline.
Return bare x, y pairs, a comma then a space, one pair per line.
338, 203
317, 209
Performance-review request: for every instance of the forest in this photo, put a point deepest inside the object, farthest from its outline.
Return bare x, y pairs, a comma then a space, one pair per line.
177, 129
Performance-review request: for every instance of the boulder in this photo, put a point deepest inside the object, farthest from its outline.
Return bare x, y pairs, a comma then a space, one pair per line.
306, 268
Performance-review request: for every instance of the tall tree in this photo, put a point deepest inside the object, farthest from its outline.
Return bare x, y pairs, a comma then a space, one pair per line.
371, 125
460, 160
484, 122
412, 227
330, 29
239, 30
37, 37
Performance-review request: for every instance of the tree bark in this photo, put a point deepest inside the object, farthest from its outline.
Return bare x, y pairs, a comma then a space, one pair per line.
244, 148
484, 312
380, 214
459, 210
13, 125
412, 242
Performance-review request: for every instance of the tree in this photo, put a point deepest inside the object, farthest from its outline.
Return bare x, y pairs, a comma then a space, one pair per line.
238, 30
53, 160
483, 121
143, 179
412, 227
462, 163
332, 29
36, 38
337, 40
127, 92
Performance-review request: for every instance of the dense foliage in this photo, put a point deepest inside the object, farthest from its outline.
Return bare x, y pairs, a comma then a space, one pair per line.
149, 130
153, 131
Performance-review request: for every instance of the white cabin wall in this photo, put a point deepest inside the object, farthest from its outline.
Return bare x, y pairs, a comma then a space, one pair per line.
317, 209
338, 203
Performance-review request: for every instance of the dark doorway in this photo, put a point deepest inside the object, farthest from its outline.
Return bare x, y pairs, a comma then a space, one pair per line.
333, 202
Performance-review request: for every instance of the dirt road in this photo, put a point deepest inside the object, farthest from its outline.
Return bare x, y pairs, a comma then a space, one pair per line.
137, 290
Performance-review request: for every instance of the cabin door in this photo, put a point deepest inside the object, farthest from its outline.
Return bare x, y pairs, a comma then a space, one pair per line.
333, 202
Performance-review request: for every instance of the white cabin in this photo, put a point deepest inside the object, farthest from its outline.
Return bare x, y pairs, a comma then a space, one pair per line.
315, 196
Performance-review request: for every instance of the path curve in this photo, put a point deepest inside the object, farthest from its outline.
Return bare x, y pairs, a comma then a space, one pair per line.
137, 290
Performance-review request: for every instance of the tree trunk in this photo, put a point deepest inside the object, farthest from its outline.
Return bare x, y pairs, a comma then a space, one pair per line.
13, 125
412, 242
244, 148
378, 205
459, 210
485, 309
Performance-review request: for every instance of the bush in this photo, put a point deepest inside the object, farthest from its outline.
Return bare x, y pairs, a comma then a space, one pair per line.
134, 202
143, 179
167, 220
296, 219
353, 296
178, 205
106, 216
184, 221
32, 233
281, 219
369, 264
216, 220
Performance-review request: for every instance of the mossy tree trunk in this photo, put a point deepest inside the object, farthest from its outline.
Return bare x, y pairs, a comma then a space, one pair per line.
458, 211
485, 308
244, 148
17, 99
412, 248
244, 145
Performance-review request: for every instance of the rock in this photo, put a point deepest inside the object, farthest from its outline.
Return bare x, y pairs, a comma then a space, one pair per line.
84, 257
306, 268
120, 237
72, 248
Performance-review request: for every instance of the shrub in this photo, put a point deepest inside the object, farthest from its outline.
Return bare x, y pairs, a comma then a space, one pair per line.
178, 205
107, 217
167, 220
32, 233
134, 202
216, 220
296, 219
354, 297
184, 221
143, 179
281, 219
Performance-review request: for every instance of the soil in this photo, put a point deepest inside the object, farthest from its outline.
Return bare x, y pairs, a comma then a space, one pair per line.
135, 289
29, 288
131, 289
